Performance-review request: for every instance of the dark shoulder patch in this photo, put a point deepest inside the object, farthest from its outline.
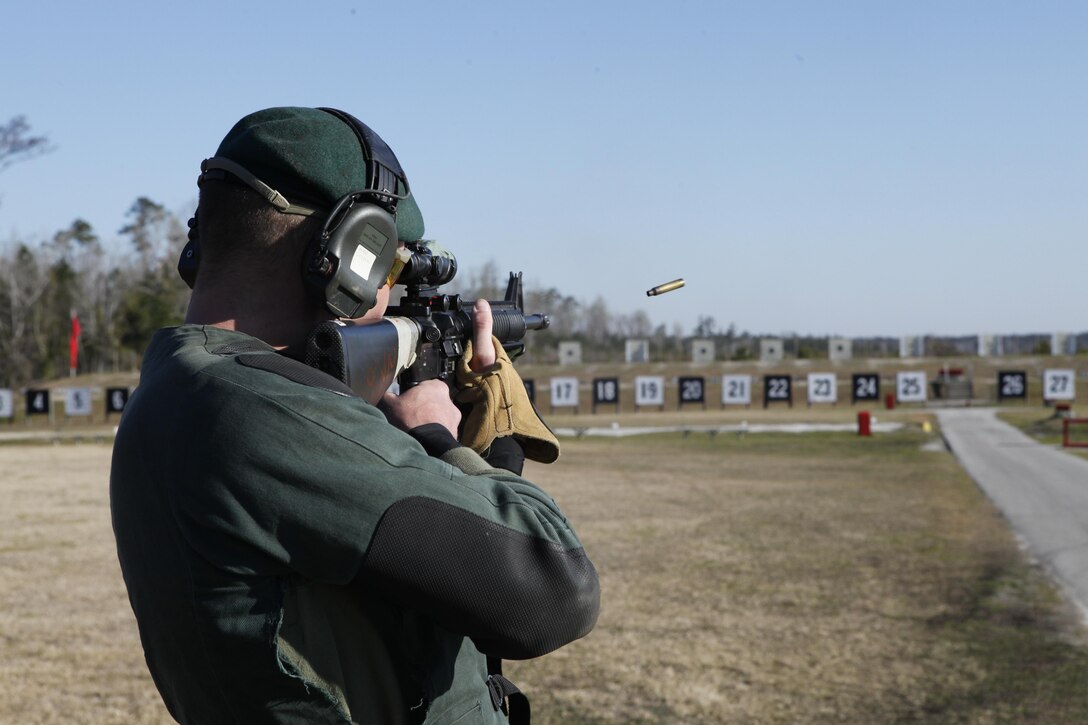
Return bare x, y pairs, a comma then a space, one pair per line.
294, 371
235, 347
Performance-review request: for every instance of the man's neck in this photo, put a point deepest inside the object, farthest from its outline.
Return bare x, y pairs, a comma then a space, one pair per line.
281, 321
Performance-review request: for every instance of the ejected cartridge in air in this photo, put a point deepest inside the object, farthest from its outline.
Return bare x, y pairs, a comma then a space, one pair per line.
663, 288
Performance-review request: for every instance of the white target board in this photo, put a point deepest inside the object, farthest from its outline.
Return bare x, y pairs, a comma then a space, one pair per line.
736, 390
77, 401
636, 351
822, 388
649, 390
7, 404
570, 352
564, 392
702, 351
910, 386
1059, 385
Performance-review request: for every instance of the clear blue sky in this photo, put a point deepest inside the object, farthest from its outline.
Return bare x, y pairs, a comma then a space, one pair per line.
852, 168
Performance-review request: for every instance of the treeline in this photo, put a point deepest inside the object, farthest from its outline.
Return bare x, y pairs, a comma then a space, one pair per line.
120, 297
122, 294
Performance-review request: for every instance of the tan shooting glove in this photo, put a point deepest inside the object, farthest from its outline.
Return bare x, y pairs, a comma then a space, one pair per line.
500, 406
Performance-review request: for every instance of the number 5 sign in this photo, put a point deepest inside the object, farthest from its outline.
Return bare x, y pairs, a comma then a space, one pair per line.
1059, 385
910, 387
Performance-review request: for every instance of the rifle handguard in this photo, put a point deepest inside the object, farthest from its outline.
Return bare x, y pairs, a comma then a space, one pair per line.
500, 406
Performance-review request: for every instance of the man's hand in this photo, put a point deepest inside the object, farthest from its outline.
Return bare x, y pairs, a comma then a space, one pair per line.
428, 402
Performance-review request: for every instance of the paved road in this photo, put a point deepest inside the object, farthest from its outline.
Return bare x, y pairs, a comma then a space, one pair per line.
1042, 491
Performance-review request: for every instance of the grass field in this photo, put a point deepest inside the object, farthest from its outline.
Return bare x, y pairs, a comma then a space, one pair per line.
1046, 428
767, 578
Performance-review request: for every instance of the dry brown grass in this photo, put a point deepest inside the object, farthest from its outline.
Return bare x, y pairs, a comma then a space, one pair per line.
774, 578
779, 579
70, 652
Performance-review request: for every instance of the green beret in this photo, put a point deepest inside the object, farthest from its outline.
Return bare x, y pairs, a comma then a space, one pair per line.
309, 156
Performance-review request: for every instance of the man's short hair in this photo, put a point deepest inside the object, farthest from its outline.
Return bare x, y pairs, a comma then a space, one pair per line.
237, 226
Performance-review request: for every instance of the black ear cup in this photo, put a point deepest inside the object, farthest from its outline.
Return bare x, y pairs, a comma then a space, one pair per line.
349, 260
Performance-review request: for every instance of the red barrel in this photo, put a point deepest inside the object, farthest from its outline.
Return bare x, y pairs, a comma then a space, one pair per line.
889, 401
864, 428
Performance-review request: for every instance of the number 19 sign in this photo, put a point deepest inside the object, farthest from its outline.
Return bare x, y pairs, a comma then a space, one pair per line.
649, 390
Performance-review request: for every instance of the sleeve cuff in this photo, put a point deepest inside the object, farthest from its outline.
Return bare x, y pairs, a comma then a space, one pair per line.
435, 439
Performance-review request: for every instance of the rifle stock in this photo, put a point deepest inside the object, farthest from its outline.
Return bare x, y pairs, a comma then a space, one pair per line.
422, 339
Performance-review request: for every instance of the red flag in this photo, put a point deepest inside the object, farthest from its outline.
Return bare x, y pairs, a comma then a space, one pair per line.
73, 344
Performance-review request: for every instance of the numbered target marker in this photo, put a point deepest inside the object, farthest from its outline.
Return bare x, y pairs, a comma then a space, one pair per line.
649, 390
606, 390
736, 390
1059, 385
864, 386
822, 388
564, 392
910, 387
1012, 384
116, 400
530, 390
777, 389
77, 401
7, 403
691, 390
37, 402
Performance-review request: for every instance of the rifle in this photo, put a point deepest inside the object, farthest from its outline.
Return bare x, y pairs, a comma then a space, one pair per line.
423, 337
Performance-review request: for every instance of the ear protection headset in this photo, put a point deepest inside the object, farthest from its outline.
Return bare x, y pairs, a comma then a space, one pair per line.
355, 251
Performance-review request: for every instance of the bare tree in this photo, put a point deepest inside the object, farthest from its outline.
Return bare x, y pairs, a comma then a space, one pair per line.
16, 143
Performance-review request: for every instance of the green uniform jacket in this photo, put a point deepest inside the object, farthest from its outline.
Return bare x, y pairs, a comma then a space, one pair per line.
293, 558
